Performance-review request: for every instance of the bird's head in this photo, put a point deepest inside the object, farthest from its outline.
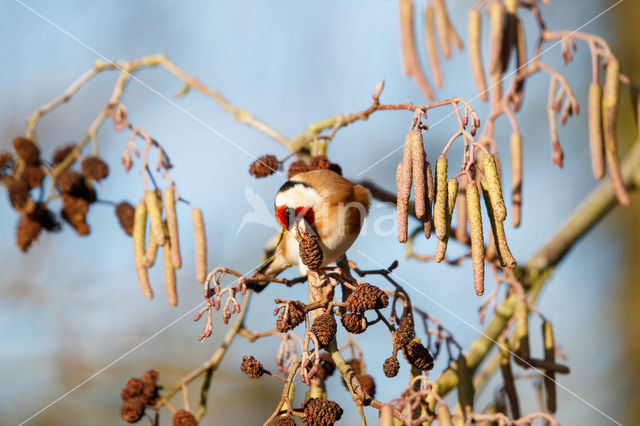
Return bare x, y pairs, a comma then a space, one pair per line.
295, 201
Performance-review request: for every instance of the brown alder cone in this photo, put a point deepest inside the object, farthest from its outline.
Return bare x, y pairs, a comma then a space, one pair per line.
366, 297
310, 251
284, 421
295, 316
391, 367
406, 330
74, 211
321, 412
61, 153
327, 366
298, 166
95, 168
184, 418
264, 166
319, 162
324, 327
251, 367
125, 213
33, 175
418, 356
133, 388
27, 232
354, 323
26, 150
19, 195
368, 383
132, 410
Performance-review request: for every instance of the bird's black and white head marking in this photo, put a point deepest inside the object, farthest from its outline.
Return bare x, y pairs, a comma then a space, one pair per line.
295, 199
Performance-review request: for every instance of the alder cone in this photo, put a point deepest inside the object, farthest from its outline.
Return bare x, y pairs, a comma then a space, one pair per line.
311, 252
406, 330
132, 389
95, 168
324, 327
61, 153
391, 367
321, 412
418, 356
327, 366
125, 213
368, 383
353, 323
295, 317
264, 166
251, 367
132, 410
319, 162
27, 232
74, 211
26, 150
184, 418
366, 297
284, 421
33, 175
297, 167
18, 194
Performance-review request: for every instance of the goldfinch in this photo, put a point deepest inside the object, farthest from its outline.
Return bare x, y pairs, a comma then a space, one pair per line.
323, 203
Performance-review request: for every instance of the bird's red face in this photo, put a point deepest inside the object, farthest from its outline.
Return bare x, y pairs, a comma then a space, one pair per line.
287, 216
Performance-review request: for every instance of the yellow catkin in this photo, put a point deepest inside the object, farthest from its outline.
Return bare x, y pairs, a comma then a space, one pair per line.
465, 384
440, 206
461, 233
549, 355
139, 230
443, 414
499, 237
443, 27
430, 40
521, 55
522, 330
496, 13
169, 275
475, 53
414, 139
516, 178
477, 239
610, 100
201, 244
596, 140
169, 201
507, 377
151, 253
427, 221
452, 194
386, 415
411, 62
154, 209
494, 188
402, 205
510, 6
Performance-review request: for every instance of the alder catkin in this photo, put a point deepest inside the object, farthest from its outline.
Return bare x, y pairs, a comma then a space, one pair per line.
494, 188
522, 331
516, 178
151, 252
595, 130
201, 244
154, 209
477, 238
431, 46
499, 237
610, 102
139, 231
507, 376
521, 55
442, 27
443, 415
452, 194
402, 205
168, 198
414, 139
549, 355
475, 53
440, 206
409, 52
169, 275
496, 13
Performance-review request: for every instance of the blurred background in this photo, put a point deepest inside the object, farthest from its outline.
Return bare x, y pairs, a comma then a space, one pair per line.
72, 306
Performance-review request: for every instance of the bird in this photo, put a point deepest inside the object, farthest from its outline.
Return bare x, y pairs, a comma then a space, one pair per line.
322, 203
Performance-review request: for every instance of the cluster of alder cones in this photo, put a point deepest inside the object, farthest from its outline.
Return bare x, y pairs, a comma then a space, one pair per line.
23, 173
268, 164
